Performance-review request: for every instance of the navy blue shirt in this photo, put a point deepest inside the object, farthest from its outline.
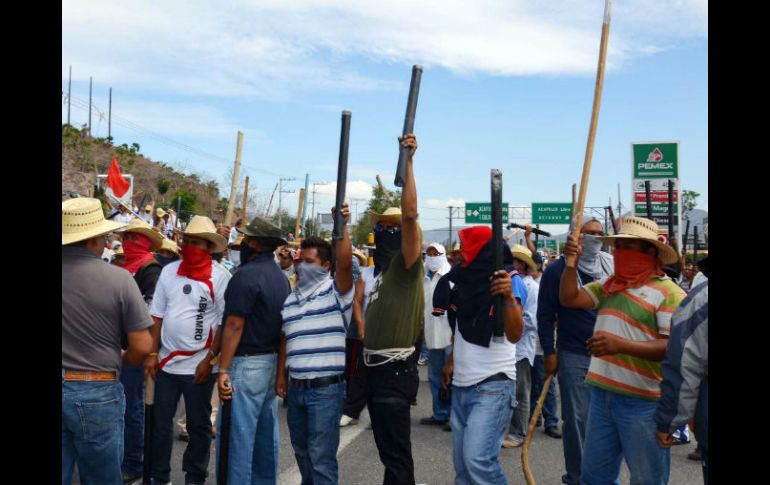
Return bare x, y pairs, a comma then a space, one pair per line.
575, 326
257, 292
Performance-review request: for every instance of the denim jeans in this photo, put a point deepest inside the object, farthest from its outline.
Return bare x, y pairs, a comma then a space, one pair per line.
391, 388
313, 418
437, 358
623, 427
253, 448
480, 417
92, 431
549, 415
132, 378
575, 401
197, 402
520, 418
424, 354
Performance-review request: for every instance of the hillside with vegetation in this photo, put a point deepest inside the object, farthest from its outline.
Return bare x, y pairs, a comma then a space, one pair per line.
157, 182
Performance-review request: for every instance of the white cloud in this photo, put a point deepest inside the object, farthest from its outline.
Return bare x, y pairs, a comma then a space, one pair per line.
444, 203
357, 189
273, 49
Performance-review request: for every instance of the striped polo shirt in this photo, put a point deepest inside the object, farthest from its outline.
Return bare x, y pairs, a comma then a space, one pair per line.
640, 314
315, 327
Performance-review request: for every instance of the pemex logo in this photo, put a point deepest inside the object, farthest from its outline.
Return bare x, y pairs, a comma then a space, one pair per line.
655, 155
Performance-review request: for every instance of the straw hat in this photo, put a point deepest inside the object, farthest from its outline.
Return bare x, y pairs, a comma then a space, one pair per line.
82, 218
236, 245
170, 245
523, 254
118, 252
361, 258
646, 230
391, 214
148, 207
203, 227
160, 212
139, 226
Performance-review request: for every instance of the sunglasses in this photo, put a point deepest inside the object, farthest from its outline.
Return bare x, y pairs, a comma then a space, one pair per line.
387, 229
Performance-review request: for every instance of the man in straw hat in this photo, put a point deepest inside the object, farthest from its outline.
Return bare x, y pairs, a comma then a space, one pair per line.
139, 243
316, 316
187, 309
146, 214
634, 305
99, 303
393, 324
250, 341
575, 327
168, 252
524, 266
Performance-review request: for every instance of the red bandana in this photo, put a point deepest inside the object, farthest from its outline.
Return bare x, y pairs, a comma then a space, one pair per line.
137, 253
196, 265
472, 240
632, 270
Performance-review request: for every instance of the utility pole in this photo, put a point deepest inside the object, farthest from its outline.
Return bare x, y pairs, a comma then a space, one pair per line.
356, 201
69, 96
620, 214
280, 197
315, 225
90, 85
245, 201
270, 204
109, 118
234, 184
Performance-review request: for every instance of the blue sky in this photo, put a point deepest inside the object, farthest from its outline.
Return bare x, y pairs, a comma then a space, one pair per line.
506, 85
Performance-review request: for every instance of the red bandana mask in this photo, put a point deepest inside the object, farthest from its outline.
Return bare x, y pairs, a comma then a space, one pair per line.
472, 240
137, 253
196, 265
632, 270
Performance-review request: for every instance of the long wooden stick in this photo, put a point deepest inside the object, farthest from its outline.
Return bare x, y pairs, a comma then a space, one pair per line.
572, 260
531, 430
234, 184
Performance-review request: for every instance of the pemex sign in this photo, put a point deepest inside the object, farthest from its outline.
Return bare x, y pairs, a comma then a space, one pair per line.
656, 162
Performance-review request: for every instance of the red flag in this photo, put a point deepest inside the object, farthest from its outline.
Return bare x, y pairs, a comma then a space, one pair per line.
117, 183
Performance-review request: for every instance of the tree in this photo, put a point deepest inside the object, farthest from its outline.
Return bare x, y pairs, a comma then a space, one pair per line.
188, 203
689, 201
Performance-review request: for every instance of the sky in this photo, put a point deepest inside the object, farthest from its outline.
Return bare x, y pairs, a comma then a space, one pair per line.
506, 85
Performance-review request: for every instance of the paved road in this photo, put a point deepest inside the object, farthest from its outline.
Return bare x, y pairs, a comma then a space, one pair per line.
432, 450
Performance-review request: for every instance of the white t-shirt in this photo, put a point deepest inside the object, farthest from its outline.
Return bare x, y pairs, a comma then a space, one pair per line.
474, 363
367, 274
190, 317
125, 218
438, 332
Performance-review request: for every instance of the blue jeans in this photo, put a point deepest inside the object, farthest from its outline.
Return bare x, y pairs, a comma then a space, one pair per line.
575, 401
424, 355
92, 431
132, 378
197, 402
480, 417
623, 427
253, 449
437, 359
551, 419
313, 418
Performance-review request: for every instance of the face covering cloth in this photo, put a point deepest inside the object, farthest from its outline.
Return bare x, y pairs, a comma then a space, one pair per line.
632, 270
196, 265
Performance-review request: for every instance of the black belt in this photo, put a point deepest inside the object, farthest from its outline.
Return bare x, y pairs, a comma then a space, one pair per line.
317, 382
252, 354
500, 376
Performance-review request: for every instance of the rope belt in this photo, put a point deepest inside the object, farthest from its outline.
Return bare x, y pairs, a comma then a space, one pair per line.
389, 355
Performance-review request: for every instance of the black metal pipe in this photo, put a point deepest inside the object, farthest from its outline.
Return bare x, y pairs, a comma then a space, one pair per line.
648, 199
497, 241
539, 232
411, 108
342, 177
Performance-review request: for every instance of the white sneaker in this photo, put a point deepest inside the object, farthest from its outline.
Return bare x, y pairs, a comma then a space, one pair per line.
346, 420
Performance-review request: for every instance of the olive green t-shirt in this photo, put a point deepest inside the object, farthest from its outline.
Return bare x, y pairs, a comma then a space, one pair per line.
395, 307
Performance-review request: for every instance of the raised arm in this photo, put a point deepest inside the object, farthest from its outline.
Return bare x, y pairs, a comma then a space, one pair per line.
410, 232
343, 253
570, 294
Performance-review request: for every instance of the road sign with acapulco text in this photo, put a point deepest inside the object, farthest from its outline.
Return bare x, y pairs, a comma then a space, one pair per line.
481, 212
551, 212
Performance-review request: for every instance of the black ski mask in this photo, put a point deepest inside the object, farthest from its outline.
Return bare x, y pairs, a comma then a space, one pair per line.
388, 244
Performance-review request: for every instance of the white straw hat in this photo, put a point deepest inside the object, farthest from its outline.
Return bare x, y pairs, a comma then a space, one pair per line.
170, 245
391, 214
139, 226
203, 227
523, 254
646, 230
82, 218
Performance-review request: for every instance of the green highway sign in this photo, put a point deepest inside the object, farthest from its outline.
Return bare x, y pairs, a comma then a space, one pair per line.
551, 212
655, 160
481, 213
551, 244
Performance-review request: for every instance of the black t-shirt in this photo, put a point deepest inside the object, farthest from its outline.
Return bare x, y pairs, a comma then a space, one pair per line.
257, 292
